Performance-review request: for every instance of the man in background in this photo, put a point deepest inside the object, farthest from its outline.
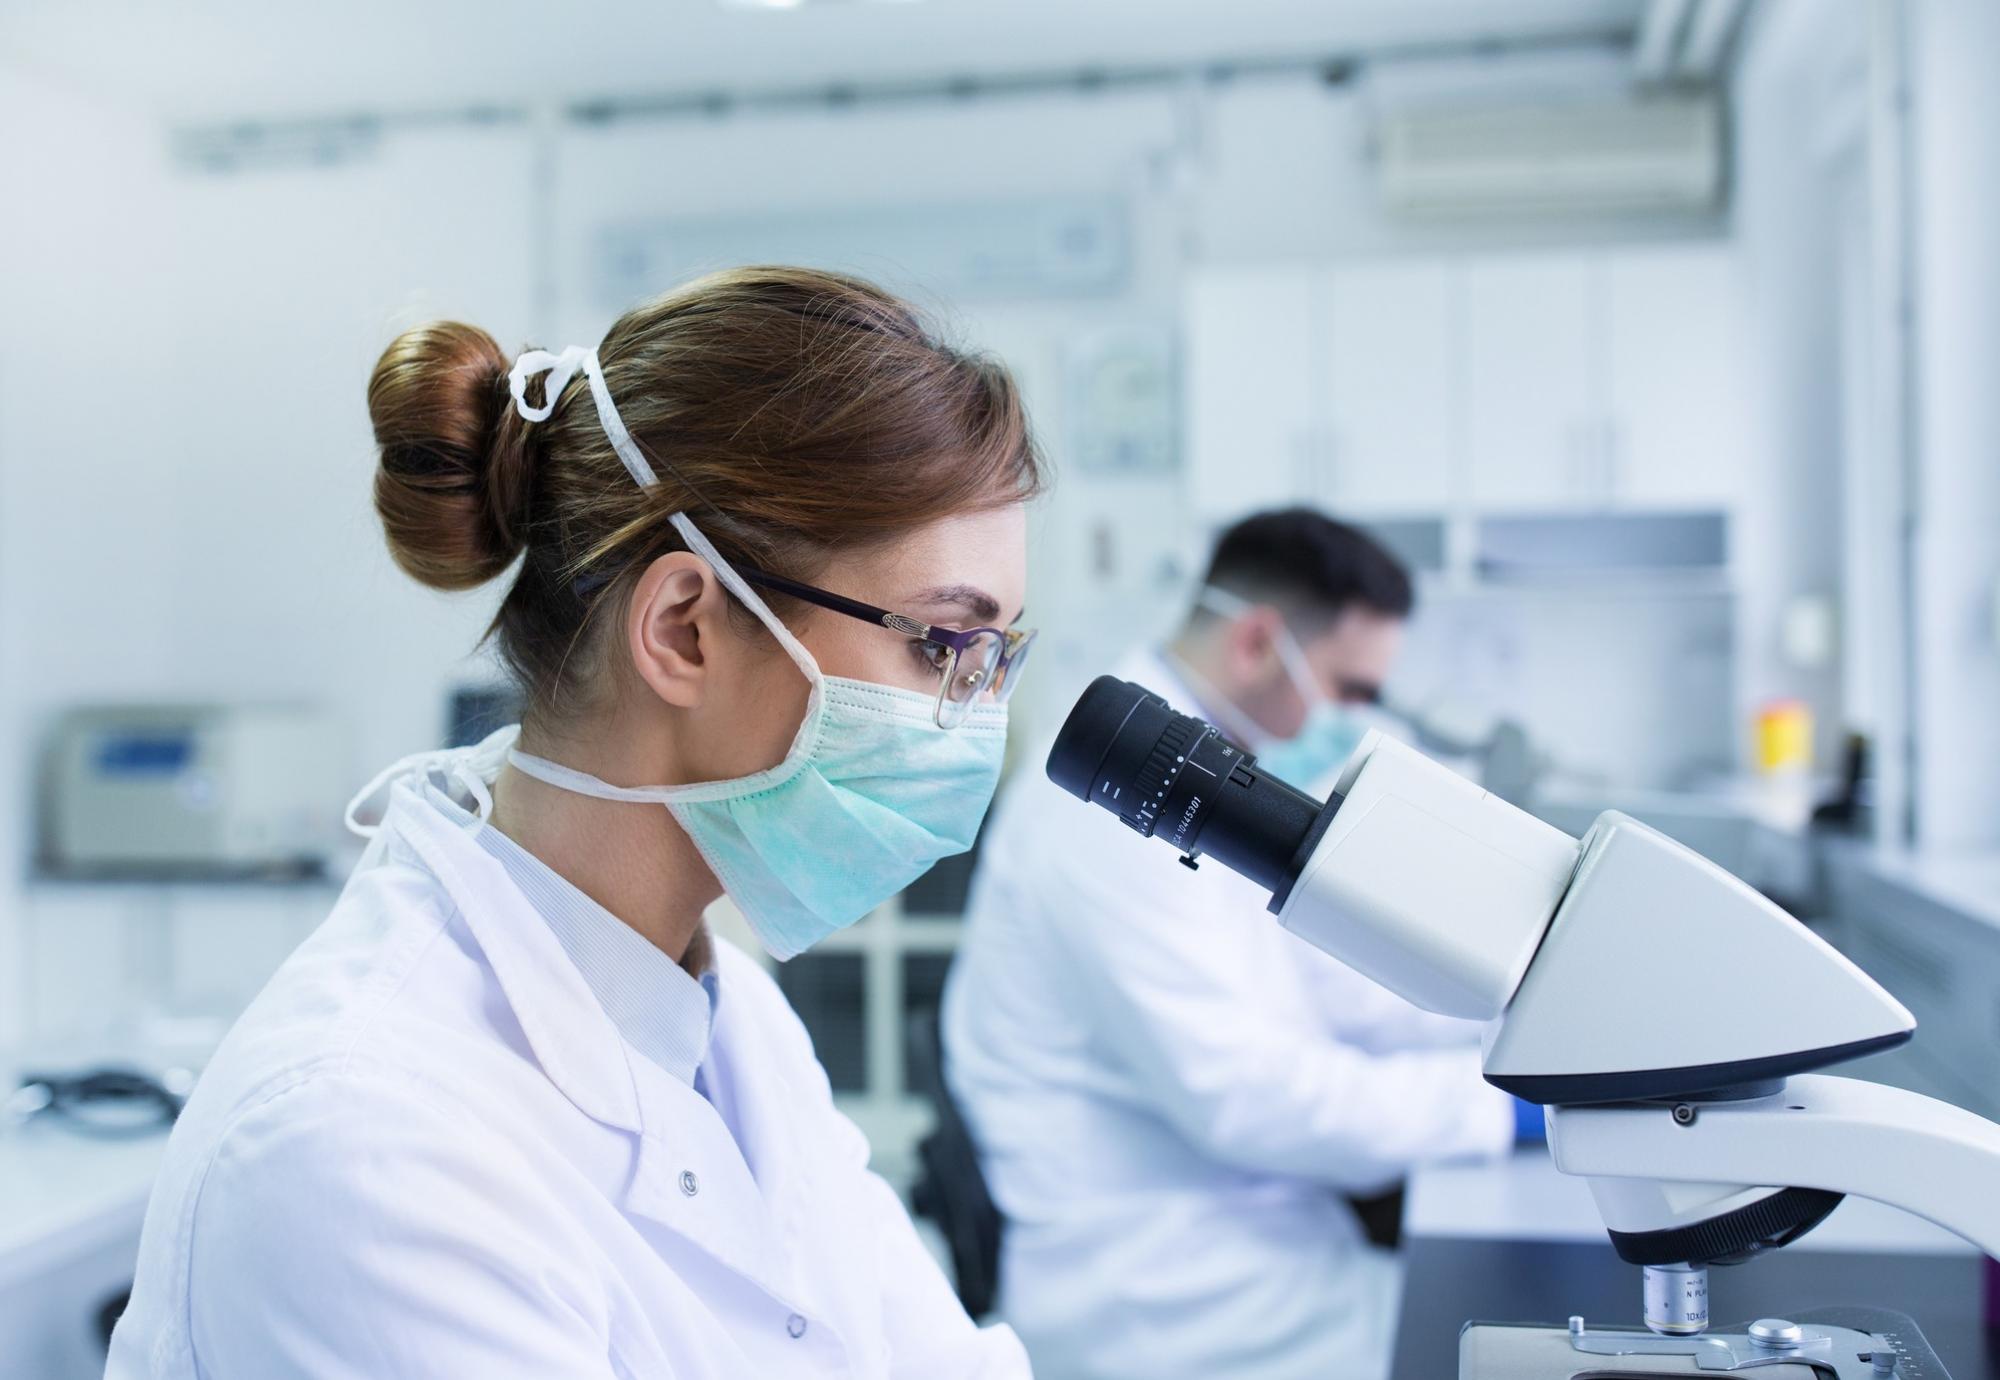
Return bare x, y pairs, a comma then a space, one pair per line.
1172, 1095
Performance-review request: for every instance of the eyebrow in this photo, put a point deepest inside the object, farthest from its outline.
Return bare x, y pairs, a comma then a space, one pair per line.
971, 598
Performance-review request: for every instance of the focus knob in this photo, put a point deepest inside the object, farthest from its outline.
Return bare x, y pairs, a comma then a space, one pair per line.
1155, 775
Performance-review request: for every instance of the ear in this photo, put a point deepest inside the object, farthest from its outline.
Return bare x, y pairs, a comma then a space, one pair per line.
674, 629
1252, 642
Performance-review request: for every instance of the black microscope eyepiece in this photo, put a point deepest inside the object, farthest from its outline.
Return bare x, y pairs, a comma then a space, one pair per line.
1171, 776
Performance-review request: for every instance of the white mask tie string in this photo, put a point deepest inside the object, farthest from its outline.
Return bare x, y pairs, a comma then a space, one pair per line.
560, 370
450, 767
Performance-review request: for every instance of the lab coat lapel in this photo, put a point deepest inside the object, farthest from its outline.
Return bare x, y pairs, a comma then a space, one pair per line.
581, 1051
574, 1041
766, 1105
756, 1215
692, 1180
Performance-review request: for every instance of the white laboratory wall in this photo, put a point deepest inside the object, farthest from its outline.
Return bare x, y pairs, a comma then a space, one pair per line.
1831, 195
81, 485
289, 283
1953, 47
1800, 91
1561, 661
185, 463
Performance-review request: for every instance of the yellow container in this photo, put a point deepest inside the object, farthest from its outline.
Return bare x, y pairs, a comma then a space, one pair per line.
1784, 737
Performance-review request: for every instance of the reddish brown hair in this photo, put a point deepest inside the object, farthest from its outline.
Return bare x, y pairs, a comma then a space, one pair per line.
792, 413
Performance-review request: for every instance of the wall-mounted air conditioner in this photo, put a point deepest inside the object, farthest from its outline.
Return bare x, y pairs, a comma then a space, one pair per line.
1600, 154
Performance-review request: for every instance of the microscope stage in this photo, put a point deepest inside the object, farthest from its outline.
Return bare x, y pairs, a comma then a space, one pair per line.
1837, 1344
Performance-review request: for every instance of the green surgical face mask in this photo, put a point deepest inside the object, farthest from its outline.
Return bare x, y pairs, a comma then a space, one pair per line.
871, 794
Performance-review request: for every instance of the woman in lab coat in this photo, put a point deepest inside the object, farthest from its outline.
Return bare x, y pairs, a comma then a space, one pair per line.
512, 1111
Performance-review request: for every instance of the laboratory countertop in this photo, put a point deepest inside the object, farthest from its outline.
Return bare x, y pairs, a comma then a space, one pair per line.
1783, 805
1524, 1198
1967, 883
1756, 829
63, 1194
1759, 829
1448, 1282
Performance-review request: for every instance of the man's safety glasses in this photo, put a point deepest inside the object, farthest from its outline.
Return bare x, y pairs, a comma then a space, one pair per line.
978, 661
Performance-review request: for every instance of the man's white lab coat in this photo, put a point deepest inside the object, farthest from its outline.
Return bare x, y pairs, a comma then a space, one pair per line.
1172, 1094
425, 1151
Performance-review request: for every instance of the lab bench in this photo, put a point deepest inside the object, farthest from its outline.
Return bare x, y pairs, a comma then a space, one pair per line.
1928, 929
70, 1209
1449, 1281
1515, 1241
1966, 884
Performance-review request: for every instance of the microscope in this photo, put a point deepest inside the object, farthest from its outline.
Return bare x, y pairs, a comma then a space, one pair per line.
1669, 1017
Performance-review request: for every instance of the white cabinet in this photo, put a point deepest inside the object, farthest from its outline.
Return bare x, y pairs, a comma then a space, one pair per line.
1329, 387
1675, 403
1386, 385
1505, 383
1249, 389
1609, 380
1530, 389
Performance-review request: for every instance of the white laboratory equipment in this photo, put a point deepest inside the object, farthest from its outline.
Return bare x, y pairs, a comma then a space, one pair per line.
191, 790
1669, 1016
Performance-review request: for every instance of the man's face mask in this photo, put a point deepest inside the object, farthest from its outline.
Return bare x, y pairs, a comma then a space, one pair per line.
1331, 731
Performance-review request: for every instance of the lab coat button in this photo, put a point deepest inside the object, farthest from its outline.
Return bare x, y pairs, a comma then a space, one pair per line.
796, 1325
689, 1184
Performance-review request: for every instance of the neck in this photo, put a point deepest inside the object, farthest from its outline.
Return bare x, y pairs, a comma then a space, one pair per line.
1197, 654
630, 858
1197, 662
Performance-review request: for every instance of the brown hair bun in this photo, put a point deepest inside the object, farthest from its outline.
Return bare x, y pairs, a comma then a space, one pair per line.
450, 486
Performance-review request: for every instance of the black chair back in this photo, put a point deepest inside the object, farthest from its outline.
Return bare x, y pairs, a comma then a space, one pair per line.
950, 1189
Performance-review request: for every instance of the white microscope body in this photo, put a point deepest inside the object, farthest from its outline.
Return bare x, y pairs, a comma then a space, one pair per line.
1669, 1017
1666, 1013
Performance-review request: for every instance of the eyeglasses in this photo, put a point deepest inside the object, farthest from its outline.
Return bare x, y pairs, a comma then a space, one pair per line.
977, 661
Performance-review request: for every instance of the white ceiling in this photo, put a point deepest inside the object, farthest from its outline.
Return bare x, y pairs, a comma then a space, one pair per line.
210, 59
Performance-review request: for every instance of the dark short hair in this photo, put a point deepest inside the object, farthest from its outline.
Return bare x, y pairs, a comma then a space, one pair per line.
1310, 565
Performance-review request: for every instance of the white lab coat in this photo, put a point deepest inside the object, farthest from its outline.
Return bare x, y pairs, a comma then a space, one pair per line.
426, 1151
1172, 1094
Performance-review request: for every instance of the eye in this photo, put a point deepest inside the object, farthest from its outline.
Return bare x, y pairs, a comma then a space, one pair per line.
932, 656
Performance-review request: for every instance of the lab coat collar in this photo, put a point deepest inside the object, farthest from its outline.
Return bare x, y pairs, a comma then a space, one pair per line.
691, 1177
572, 1038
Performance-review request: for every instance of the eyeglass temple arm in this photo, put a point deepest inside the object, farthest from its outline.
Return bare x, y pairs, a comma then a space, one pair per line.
839, 603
